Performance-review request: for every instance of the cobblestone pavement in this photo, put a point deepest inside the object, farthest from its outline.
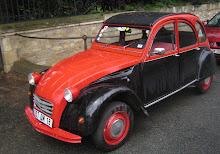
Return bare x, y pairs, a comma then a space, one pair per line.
187, 122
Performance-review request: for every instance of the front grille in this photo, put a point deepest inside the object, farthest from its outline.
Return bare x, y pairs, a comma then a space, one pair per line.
218, 44
43, 105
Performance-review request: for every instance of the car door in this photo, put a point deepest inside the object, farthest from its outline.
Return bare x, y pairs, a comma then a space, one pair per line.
188, 52
161, 72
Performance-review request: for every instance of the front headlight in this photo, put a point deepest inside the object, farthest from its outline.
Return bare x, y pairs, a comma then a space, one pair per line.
33, 78
70, 94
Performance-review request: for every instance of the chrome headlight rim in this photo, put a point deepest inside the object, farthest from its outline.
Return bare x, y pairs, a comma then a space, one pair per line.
68, 95
31, 79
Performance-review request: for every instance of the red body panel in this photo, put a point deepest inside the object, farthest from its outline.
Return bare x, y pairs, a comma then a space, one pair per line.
213, 34
53, 132
79, 71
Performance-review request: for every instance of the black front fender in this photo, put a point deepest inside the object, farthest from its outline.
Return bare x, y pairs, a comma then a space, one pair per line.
94, 106
91, 103
207, 64
108, 93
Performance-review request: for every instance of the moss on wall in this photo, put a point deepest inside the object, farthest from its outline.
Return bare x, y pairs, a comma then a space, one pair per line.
38, 24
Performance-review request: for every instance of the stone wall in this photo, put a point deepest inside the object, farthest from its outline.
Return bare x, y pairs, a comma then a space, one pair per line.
49, 52
46, 51
204, 12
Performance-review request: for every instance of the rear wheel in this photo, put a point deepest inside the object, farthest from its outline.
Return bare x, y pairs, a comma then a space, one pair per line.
114, 126
204, 85
218, 62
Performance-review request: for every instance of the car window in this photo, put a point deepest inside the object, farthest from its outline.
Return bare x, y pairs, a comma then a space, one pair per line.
200, 32
165, 38
187, 36
215, 22
128, 37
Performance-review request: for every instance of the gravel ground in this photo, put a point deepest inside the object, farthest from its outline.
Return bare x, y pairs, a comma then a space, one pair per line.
187, 122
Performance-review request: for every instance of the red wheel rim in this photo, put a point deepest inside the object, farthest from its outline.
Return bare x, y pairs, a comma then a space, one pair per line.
116, 128
206, 83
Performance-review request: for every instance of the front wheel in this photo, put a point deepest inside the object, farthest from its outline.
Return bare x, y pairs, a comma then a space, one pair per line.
203, 85
115, 124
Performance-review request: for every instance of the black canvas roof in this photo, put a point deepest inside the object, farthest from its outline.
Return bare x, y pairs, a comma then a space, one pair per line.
137, 18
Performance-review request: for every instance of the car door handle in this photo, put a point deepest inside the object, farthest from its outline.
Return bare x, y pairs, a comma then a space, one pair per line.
176, 55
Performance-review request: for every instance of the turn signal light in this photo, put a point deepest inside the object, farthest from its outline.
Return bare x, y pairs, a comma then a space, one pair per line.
29, 93
81, 120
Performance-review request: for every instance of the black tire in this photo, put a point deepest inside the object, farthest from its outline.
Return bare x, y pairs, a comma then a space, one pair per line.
204, 85
218, 62
114, 126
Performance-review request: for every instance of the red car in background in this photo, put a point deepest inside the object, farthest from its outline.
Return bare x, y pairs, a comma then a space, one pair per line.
213, 33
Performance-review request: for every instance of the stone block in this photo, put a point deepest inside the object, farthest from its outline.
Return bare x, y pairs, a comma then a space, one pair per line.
201, 8
6, 44
57, 48
32, 59
41, 63
9, 57
66, 46
7, 68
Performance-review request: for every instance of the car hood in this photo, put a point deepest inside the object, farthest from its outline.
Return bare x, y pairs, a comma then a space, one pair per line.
79, 71
213, 34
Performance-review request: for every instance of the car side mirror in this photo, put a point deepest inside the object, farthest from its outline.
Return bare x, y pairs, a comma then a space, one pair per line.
159, 51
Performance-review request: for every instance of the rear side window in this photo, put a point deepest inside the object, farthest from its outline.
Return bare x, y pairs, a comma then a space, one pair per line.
201, 32
187, 36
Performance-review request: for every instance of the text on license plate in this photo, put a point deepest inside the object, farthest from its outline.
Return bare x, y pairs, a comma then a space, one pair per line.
43, 118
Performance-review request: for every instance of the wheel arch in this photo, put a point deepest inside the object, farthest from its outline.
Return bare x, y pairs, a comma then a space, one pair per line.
99, 98
206, 64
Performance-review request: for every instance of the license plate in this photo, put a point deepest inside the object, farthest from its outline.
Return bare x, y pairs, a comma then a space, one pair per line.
216, 51
43, 118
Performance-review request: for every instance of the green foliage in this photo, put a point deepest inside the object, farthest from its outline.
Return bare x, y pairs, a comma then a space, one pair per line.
160, 4
129, 8
64, 7
139, 5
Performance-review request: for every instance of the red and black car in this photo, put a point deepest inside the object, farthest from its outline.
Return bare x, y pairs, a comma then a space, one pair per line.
136, 60
213, 33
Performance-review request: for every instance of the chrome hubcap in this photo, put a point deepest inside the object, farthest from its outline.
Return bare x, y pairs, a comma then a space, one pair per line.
206, 81
117, 128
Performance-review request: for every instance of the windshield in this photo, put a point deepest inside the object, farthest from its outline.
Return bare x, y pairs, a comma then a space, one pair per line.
215, 22
132, 37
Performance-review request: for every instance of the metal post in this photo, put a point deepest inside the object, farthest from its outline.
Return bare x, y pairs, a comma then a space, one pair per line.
24, 13
1, 59
85, 41
12, 8
44, 9
49, 15
1, 17
19, 15
39, 9
34, 8
75, 7
6, 7
29, 10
